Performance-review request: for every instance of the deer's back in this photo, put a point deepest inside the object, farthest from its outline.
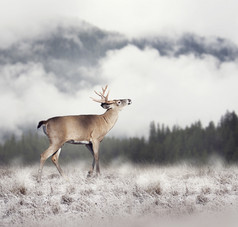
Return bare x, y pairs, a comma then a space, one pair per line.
76, 127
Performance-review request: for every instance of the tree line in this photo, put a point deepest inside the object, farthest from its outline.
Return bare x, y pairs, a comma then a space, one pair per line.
164, 145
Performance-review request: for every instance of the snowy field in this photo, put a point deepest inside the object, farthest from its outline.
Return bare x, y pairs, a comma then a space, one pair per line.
123, 195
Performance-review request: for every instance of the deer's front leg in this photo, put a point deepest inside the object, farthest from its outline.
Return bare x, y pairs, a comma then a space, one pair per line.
96, 155
90, 148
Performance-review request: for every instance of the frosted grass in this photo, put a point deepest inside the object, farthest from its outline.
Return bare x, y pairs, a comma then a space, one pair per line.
123, 195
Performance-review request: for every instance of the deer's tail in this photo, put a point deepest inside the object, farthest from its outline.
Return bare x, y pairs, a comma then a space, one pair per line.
41, 123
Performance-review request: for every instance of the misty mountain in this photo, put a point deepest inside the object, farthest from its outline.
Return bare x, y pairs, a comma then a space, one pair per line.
65, 52
222, 49
69, 52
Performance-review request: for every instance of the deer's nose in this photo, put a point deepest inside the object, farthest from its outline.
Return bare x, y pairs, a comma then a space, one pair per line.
129, 101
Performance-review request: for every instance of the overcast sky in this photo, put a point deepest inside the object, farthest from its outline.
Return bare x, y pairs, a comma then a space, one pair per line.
167, 89
134, 17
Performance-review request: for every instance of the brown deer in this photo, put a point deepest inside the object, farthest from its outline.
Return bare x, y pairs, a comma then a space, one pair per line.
88, 130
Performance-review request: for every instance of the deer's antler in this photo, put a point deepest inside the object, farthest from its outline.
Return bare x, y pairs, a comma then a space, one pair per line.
104, 99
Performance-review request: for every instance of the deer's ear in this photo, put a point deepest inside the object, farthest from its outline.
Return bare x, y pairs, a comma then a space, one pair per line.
105, 106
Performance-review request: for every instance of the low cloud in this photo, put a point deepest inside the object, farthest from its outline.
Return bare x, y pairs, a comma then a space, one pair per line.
28, 94
170, 90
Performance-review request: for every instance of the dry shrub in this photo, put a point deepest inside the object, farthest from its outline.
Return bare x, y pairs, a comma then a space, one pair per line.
66, 200
206, 190
22, 190
136, 192
55, 209
154, 189
186, 191
222, 191
9, 212
174, 193
53, 175
225, 180
201, 199
19, 190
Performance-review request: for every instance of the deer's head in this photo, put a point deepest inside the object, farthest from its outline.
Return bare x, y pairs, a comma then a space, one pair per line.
111, 104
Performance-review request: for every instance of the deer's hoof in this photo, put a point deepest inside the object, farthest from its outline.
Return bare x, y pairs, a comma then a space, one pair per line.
89, 174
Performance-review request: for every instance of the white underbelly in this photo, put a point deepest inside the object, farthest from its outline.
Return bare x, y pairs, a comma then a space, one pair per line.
84, 142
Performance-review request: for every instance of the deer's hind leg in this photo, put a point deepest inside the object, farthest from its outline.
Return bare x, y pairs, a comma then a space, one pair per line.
94, 149
55, 160
53, 148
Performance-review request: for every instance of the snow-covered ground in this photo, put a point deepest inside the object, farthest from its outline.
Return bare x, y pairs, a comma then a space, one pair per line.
123, 195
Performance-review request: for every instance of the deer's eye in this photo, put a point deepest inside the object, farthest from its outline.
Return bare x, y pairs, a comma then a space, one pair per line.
118, 103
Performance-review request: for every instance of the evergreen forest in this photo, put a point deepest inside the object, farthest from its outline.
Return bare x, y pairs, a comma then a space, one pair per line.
164, 145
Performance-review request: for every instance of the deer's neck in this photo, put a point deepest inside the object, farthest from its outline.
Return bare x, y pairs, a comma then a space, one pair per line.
110, 117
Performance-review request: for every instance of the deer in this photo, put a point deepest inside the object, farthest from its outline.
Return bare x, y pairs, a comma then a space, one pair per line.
88, 130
